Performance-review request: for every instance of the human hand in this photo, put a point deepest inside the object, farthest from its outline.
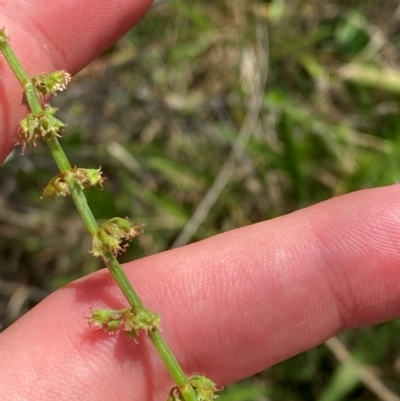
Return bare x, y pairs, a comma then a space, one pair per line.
231, 305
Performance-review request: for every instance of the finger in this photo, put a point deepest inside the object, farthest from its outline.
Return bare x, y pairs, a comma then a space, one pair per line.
50, 35
232, 305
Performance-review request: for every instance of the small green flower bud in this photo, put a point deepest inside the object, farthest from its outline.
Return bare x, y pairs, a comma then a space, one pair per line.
108, 320
87, 177
132, 320
83, 177
104, 243
111, 236
56, 187
50, 126
94, 176
205, 388
46, 84
39, 126
98, 249
141, 320
111, 242
28, 131
123, 228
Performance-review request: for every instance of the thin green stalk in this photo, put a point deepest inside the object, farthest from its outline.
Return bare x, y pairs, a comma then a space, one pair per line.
81, 204
30, 92
12, 59
84, 210
169, 360
122, 280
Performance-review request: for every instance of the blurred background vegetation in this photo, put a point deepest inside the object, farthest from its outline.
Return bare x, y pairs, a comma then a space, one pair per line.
211, 115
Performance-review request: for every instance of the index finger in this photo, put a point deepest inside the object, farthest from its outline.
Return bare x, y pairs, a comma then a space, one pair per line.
51, 35
231, 305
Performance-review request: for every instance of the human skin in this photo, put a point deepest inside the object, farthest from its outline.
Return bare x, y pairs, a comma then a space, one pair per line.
231, 305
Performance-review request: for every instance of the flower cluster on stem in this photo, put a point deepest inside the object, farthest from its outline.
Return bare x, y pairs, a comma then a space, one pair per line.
132, 320
111, 238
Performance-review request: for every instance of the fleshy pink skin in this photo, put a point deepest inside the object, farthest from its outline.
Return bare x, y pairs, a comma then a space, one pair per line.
232, 305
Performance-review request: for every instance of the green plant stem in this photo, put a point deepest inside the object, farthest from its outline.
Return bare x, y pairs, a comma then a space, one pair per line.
80, 200
168, 358
12, 59
123, 282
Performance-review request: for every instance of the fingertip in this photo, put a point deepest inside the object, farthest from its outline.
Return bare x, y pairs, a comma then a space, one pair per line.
47, 36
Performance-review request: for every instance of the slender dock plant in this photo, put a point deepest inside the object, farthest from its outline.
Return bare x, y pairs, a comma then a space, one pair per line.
109, 239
